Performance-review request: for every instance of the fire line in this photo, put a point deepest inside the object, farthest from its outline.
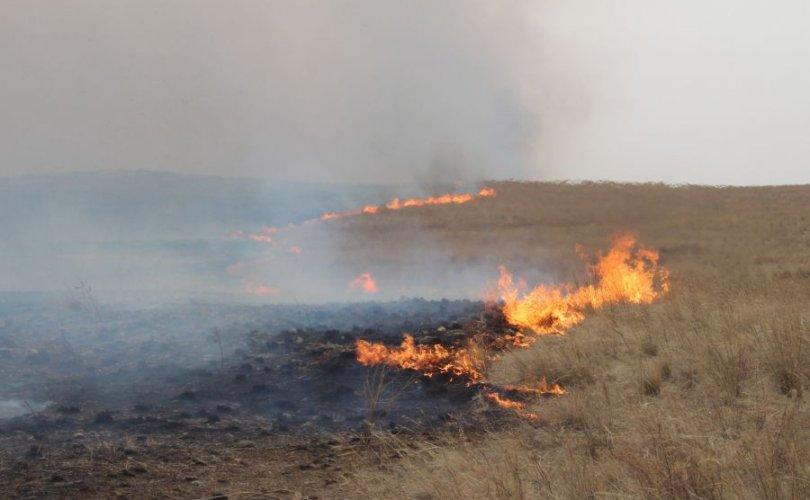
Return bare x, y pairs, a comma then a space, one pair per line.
627, 273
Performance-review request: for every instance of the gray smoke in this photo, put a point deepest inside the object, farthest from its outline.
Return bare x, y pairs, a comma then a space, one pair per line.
709, 91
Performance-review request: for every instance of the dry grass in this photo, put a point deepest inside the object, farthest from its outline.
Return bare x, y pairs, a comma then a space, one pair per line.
699, 395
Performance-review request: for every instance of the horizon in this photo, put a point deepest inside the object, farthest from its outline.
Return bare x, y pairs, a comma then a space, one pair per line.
706, 93
54, 173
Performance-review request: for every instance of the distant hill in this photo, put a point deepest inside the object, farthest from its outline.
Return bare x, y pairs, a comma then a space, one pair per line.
148, 206
145, 229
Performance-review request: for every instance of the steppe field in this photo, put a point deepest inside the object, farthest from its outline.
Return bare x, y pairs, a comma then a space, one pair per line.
699, 394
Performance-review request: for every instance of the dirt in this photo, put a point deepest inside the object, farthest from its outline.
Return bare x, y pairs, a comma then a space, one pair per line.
280, 414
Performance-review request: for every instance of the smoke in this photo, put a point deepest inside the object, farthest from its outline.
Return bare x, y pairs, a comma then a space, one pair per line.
402, 91
435, 95
330, 91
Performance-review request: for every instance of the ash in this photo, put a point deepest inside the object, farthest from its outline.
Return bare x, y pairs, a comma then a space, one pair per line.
204, 368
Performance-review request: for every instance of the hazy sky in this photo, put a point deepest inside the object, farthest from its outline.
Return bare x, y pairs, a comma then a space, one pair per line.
704, 91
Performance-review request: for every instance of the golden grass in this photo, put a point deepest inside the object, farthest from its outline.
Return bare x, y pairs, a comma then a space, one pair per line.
701, 394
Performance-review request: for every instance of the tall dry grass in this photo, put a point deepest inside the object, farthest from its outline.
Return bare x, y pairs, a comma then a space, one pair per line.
700, 395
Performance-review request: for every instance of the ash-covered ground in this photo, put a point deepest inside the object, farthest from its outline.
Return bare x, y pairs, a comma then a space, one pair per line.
176, 397
207, 367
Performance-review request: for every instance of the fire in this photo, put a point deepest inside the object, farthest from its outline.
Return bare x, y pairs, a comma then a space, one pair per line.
509, 404
295, 249
364, 282
541, 388
263, 235
398, 204
628, 273
260, 289
428, 360
334, 215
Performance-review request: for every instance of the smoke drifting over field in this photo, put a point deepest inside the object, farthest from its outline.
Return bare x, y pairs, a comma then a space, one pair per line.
707, 92
434, 95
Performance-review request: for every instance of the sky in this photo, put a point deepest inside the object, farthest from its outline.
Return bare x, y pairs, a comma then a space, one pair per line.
709, 91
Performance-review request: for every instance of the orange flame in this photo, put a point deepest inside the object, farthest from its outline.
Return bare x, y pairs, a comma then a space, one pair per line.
264, 235
541, 388
429, 360
398, 204
510, 404
364, 282
260, 289
627, 273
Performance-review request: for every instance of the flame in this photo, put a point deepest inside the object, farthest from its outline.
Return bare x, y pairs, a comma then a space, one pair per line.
510, 404
263, 235
542, 387
628, 273
398, 204
364, 282
295, 249
260, 289
429, 360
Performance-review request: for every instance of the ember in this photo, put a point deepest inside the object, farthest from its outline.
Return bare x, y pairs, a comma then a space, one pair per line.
364, 282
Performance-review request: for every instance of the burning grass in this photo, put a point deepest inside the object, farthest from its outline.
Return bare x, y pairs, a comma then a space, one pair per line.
628, 273
698, 394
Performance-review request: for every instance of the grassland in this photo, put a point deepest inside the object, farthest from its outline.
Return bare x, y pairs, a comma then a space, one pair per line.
700, 395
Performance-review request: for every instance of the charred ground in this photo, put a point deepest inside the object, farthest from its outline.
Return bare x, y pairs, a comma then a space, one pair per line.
701, 394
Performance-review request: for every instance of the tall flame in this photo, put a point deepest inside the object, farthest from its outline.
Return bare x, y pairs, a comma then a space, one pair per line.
628, 272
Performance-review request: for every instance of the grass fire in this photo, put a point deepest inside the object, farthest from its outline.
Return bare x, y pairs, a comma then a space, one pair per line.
627, 273
599, 330
356, 249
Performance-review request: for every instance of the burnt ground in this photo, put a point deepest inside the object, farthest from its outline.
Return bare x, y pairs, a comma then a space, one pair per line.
114, 411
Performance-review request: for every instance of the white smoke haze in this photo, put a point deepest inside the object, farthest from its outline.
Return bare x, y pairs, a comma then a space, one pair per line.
370, 99
391, 91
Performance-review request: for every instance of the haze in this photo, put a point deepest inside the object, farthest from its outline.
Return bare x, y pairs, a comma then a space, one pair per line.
691, 91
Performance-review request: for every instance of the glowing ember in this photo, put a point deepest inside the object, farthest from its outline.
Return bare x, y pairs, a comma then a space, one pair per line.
335, 215
260, 289
364, 282
627, 273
